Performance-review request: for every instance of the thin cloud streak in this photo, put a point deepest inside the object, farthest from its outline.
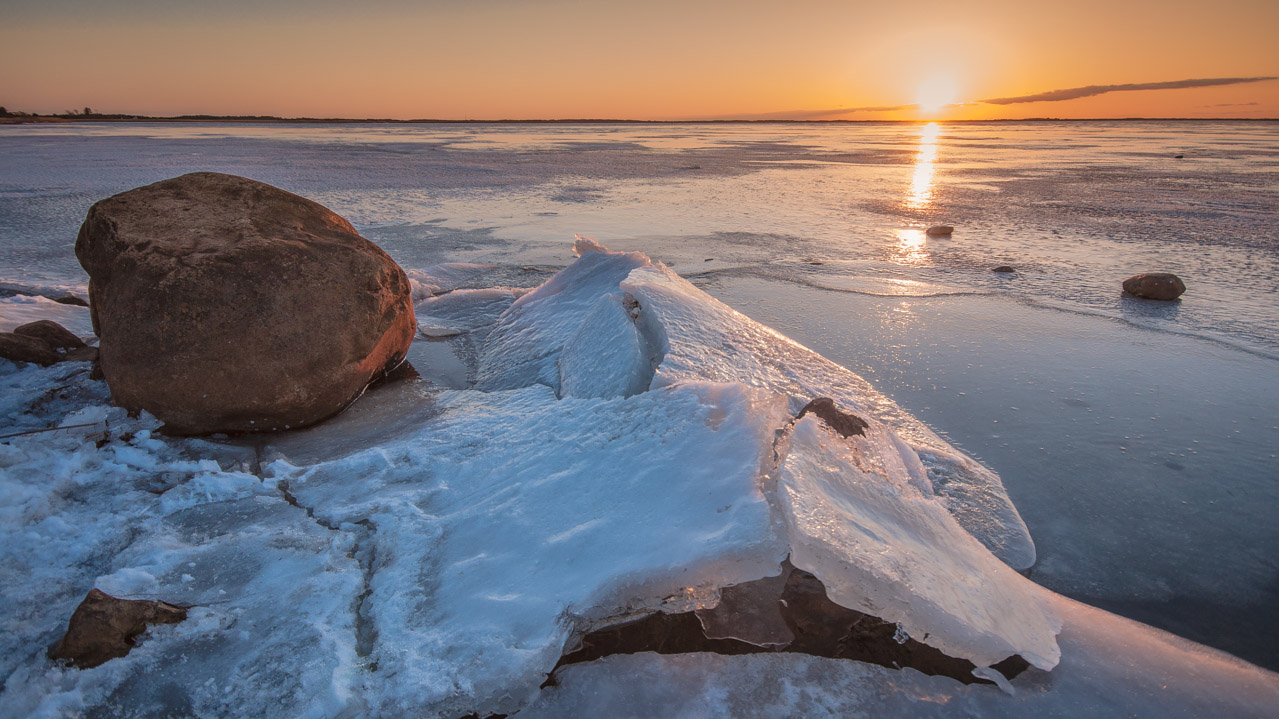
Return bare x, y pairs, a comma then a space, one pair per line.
1075, 93
815, 114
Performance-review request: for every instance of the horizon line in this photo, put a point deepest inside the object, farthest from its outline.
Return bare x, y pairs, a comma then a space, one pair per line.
34, 118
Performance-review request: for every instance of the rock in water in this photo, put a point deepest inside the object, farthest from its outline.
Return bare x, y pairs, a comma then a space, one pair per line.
104, 627
21, 348
53, 334
939, 231
225, 304
1004, 269
1155, 286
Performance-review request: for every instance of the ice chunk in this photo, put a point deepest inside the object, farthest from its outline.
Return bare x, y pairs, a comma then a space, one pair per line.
606, 357
884, 547
701, 339
525, 343
583, 244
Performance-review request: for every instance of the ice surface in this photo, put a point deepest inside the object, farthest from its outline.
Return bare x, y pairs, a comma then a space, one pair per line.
446, 276
513, 517
462, 311
20, 309
1111, 667
434, 552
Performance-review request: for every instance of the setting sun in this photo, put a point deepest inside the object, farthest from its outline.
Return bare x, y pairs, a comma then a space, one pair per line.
937, 93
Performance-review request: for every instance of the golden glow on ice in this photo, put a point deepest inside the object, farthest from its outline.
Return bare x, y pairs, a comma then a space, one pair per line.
912, 247
921, 184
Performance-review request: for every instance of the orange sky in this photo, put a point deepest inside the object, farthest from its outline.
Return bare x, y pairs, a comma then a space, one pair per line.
496, 59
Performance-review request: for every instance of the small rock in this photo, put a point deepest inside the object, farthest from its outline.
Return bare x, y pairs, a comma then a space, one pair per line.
71, 300
1178, 156
54, 334
104, 627
939, 231
21, 348
1155, 286
1004, 268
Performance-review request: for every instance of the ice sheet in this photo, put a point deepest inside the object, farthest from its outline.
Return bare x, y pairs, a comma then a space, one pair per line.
514, 518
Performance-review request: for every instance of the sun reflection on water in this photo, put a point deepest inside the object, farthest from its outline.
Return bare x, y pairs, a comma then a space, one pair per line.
911, 248
921, 183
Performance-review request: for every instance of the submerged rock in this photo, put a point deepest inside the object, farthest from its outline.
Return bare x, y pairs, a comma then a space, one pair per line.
1155, 286
225, 304
939, 231
23, 348
104, 627
52, 333
1004, 269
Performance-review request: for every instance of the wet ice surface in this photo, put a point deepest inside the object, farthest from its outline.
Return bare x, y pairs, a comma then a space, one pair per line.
1168, 520
1143, 462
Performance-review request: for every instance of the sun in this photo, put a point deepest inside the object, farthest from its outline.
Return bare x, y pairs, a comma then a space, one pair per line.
936, 93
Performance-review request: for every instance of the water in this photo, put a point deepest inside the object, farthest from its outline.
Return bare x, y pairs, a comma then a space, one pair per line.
1138, 439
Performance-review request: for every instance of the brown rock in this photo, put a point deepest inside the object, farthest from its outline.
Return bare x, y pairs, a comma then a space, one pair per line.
1155, 286
1004, 269
71, 300
844, 423
939, 231
21, 348
225, 304
104, 627
54, 334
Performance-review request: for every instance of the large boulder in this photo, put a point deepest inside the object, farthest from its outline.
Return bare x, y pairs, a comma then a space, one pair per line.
1155, 286
224, 304
21, 348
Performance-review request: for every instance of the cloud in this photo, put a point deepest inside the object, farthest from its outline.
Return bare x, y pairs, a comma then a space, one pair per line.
1074, 93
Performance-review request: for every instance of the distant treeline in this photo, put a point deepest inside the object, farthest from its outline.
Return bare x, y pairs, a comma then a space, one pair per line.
88, 114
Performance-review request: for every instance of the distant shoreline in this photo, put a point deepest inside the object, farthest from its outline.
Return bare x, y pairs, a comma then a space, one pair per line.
267, 119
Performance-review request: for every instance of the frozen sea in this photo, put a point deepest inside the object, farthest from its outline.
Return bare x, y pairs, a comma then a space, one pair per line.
1139, 440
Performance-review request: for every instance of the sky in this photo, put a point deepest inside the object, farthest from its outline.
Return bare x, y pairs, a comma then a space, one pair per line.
652, 60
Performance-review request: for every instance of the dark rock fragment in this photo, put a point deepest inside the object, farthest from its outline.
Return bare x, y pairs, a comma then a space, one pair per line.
844, 423
104, 627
